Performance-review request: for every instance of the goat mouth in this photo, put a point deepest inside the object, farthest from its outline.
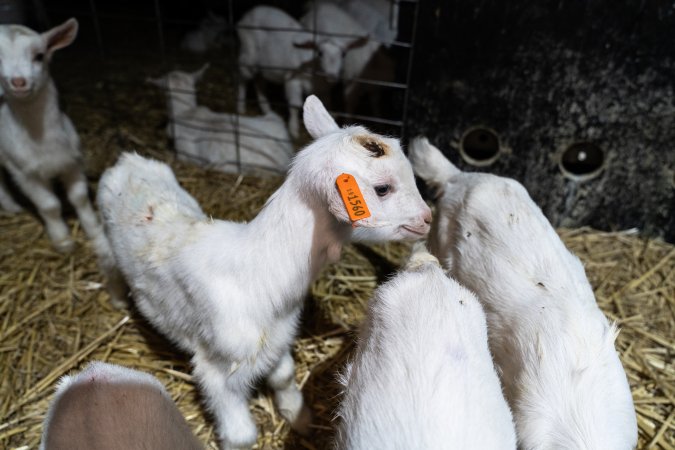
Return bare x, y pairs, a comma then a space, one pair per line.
417, 231
19, 93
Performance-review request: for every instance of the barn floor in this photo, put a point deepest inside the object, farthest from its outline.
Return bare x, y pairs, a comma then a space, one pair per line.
55, 317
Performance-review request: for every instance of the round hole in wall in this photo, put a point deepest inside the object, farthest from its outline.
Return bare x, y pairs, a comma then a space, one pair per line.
582, 161
480, 146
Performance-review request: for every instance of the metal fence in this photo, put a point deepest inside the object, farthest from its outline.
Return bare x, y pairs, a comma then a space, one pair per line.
154, 27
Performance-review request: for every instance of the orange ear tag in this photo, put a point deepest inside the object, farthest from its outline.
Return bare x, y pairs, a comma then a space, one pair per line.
352, 197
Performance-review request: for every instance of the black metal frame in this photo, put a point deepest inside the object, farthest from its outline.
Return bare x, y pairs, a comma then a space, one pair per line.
161, 23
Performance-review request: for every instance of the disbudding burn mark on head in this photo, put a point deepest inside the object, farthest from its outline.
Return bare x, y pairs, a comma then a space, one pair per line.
376, 147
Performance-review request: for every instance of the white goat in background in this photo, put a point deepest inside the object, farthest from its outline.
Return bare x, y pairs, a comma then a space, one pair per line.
552, 344
276, 46
231, 293
218, 140
378, 17
327, 17
422, 376
112, 407
39, 144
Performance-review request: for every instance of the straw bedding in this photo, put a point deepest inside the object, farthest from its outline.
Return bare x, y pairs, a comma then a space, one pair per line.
54, 317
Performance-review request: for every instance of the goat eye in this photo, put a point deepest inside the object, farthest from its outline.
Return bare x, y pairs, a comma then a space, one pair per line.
382, 190
39, 57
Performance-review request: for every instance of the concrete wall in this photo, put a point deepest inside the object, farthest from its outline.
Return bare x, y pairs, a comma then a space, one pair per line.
544, 77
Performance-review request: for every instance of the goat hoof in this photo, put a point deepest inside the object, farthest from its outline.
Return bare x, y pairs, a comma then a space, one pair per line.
65, 246
118, 293
242, 437
118, 303
301, 423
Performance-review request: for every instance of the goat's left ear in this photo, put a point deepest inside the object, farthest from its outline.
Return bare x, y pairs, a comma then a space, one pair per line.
317, 119
62, 35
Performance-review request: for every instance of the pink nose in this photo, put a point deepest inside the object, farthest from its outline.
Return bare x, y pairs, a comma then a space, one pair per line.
18, 82
427, 216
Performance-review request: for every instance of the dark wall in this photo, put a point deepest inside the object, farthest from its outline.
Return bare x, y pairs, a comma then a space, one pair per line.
546, 76
543, 76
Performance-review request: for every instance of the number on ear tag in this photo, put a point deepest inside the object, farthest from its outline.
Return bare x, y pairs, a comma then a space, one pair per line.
352, 197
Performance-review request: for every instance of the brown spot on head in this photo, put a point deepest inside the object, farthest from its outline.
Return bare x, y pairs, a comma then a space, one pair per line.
375, 146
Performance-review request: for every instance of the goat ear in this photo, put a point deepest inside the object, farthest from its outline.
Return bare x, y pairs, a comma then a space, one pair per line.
306, 44
198, 74
429, 163
62, 35
317, 119
360, 42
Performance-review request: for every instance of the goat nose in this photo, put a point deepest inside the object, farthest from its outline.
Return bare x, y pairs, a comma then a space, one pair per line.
18, 82
427, 216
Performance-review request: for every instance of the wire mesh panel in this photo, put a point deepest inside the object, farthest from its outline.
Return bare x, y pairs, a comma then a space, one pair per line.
124, 43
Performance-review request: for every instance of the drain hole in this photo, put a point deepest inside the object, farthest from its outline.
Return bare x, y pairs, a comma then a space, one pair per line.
480, 146
582, 161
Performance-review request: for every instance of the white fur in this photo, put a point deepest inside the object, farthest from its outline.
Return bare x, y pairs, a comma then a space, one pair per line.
358, 20
38, 142
207, 36
231, 293
281, 56
554, 347
107, 422
378, 17
422, 376
210, 139
337, 57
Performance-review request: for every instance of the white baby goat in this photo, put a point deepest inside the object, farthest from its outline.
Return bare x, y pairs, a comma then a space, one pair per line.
39, 144
422, 376
109, 407
210, 139
379, 17
554, 347
270, 46
231, 293
327, 17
